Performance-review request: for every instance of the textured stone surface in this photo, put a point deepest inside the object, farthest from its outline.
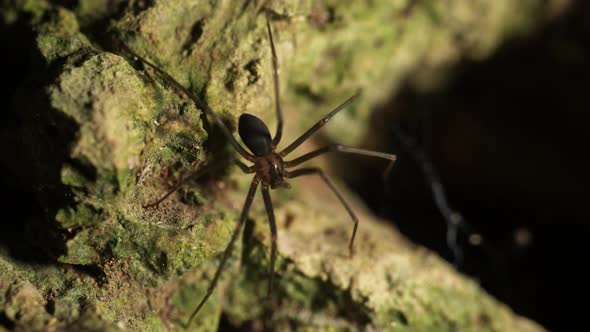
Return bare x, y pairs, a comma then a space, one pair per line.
113, 137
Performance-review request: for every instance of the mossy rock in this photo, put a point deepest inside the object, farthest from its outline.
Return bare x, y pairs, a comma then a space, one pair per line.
109, 136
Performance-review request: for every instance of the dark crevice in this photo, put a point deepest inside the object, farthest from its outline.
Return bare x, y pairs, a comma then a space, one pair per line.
195, 34
321, 17
50, 307
35, 145
92, 271
6, 322
231, 74
252, 68
140, 5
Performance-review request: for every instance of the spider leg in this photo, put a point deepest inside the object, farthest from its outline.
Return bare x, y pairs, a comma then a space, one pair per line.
275, 76
195, 174
345, 149
339, 148
197, 102
273, 235
229, 247
316, 127
244, 167
315, 170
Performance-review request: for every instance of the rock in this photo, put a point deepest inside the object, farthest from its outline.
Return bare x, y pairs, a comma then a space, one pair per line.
108, 136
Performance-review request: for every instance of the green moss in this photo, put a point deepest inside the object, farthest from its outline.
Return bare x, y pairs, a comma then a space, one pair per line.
185, 301
72, 177
193, 197
79, 216
60, 37
152, 323
91, 12
83, 249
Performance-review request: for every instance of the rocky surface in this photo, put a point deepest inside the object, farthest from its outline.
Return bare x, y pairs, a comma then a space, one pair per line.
99, 136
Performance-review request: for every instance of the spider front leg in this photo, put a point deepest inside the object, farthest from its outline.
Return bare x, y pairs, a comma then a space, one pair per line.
229, 247
316, 127
275, 77
318, 171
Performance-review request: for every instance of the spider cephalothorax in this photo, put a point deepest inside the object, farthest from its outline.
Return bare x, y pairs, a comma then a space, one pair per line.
268, 165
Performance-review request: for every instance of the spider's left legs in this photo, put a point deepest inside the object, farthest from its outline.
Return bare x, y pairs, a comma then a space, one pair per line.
243, 167
330, 184
273, 235
229, 247
195, 174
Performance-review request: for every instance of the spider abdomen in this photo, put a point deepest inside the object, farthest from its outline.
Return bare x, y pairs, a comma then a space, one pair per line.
255, 134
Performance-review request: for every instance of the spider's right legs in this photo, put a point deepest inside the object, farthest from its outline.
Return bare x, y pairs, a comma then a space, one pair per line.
316, 127
346, 149
229, 247
315, 170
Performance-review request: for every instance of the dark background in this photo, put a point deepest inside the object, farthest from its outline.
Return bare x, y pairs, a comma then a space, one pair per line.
508, 136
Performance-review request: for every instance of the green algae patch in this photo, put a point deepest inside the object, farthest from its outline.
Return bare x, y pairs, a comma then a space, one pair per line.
79, 216
60, 37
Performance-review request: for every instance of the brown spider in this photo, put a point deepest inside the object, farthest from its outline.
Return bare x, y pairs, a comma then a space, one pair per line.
269, 166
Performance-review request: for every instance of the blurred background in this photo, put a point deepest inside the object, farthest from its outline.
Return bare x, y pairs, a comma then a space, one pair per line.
507, 137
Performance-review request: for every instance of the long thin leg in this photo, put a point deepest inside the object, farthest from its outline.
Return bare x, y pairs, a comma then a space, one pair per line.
315, 170
196, 174
338, 148
316, 127
273, 235
244, 167
229, 247
197, 102
275, 76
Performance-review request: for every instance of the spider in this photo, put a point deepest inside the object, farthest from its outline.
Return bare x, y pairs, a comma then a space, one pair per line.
269, 165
